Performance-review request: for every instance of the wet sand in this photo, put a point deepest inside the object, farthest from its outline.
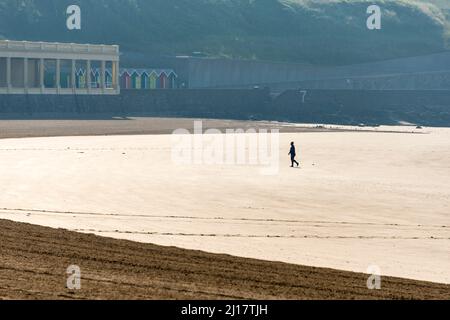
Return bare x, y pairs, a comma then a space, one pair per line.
151, 126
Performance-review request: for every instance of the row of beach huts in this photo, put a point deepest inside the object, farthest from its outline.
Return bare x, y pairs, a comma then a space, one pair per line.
138, 79
148, 79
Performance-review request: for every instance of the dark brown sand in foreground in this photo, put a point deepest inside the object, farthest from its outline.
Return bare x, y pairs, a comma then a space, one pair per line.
34, 259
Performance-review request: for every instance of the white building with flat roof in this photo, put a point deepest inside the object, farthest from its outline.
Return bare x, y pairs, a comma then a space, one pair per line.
54, 68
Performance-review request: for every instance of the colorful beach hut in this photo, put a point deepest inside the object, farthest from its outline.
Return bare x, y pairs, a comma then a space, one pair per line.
145, 81
162, 80
125, 79
80, 79
95, 78
135, 79
65, 77
153, 79
108, 78
172, 80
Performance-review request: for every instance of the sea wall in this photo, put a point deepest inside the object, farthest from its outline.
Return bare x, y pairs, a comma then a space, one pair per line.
371, 107
424, 107
171, 103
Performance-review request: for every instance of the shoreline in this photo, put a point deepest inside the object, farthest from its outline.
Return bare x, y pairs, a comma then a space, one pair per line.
42, 128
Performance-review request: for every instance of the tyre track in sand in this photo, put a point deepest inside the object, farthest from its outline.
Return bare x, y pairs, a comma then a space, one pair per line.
174, 217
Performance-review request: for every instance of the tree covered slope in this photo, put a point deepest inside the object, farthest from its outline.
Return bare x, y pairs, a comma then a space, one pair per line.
314, 31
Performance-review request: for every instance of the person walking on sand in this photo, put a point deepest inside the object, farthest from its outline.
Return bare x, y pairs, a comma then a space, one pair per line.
293, 154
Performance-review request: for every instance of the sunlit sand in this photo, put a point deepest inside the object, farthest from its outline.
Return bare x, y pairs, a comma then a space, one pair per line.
359, 198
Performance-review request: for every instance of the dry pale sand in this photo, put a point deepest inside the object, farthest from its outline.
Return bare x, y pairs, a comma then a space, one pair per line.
360, 198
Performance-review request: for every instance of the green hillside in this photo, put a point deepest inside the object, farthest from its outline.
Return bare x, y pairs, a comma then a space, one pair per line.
445, 4
320, 32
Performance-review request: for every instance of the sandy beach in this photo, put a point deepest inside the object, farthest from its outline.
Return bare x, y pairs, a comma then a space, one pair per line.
359, 199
